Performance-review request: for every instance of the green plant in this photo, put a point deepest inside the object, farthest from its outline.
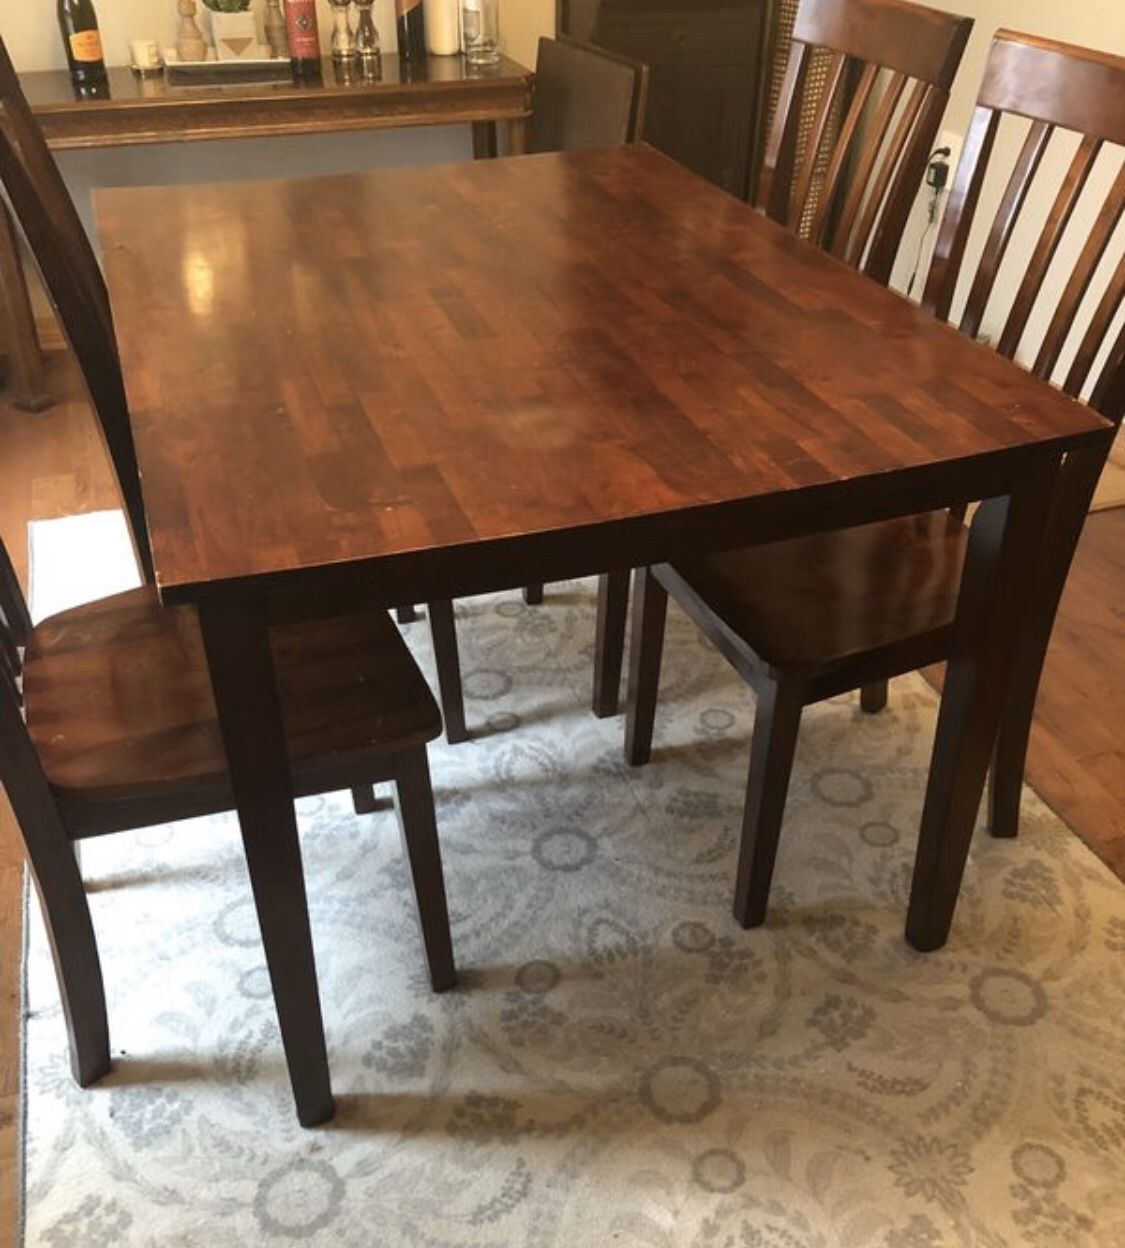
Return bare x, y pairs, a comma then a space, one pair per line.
227, 6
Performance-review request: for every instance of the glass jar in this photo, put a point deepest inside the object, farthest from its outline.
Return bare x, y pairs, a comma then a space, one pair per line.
480, 31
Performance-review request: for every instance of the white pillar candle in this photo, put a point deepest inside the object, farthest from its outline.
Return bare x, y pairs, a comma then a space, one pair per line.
443, 27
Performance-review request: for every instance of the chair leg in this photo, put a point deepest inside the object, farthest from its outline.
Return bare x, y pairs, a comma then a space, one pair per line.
533, 594
650, 610
609, 641
366, 801
1009, 759
443, 632
66, 915
406, 614
873, 697
418, 825
776, 723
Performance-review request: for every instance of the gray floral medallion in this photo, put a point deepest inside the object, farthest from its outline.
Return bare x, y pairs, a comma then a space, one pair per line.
621, 1064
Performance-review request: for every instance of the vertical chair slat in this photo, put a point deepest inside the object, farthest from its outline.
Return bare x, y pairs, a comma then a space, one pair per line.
775, 183
1083, 273
1015, 196
949, 251
890, 157
1108, 395
1057, 219
841, 148
904, 188
1096, 331
824, 106
869, 151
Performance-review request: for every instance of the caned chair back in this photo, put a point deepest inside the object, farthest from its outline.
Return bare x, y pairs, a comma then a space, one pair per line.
1067, 94
863, 94
47, 217
586, 97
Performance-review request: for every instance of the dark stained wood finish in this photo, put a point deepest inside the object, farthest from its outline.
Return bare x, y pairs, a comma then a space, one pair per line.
585, 97
857, 206
568, 353
140, 110
874, 164
54, 465
606, 310
808, 618
121, 731
21, 361
58, 243
146, 110
1058, 87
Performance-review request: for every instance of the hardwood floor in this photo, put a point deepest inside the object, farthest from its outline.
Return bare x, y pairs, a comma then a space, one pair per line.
53, 464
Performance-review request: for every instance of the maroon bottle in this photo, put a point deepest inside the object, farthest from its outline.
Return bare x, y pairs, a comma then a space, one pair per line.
304, 38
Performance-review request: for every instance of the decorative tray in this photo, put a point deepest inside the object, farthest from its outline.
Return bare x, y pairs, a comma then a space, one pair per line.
206, 73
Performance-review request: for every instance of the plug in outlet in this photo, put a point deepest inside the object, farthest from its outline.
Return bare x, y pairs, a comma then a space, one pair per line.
954, 141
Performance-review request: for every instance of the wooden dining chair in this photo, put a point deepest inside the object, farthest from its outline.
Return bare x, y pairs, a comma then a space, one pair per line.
107, 723
584, 97
118, 727
50, 224
812, 618
882, 70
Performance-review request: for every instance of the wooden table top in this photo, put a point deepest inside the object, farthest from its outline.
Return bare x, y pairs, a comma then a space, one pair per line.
499, 358
133, 109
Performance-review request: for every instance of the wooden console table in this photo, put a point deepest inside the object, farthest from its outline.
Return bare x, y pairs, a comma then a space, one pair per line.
133, 110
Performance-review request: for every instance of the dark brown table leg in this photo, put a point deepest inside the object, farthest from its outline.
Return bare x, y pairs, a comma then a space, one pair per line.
484, 140
517, 136
25, 382
236, 637
995, 591
609, 641
1077, 482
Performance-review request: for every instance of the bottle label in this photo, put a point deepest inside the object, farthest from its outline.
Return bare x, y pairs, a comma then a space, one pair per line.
300, 24
402, 7
86, 46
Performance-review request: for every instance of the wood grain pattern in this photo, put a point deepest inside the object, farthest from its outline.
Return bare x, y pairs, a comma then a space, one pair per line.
142, 110
636, 356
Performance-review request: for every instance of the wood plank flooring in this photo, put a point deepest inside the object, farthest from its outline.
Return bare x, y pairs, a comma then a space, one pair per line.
53, 464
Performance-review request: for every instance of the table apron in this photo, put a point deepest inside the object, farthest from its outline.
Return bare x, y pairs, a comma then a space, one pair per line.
504, 563
213, 120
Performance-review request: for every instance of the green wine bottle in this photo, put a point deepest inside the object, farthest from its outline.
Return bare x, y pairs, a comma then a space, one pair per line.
79, 25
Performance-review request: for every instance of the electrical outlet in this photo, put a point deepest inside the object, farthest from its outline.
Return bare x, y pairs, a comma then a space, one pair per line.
954, 141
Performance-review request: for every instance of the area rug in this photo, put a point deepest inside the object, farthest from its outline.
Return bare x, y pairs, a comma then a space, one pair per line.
621, 1064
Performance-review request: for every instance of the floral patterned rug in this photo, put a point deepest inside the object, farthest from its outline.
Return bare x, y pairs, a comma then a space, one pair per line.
621, 1064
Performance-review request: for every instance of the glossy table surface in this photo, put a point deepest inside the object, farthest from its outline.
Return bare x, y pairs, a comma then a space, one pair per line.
411, 385
519, 353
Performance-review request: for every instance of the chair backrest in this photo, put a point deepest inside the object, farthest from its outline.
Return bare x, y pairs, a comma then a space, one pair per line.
54, 233
15, 627
848, 147
586, 97
1057, 88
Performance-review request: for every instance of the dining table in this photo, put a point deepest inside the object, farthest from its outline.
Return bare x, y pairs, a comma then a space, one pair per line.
426, 383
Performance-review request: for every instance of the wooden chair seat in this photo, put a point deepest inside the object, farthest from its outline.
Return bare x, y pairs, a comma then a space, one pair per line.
119, 703
819, 602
